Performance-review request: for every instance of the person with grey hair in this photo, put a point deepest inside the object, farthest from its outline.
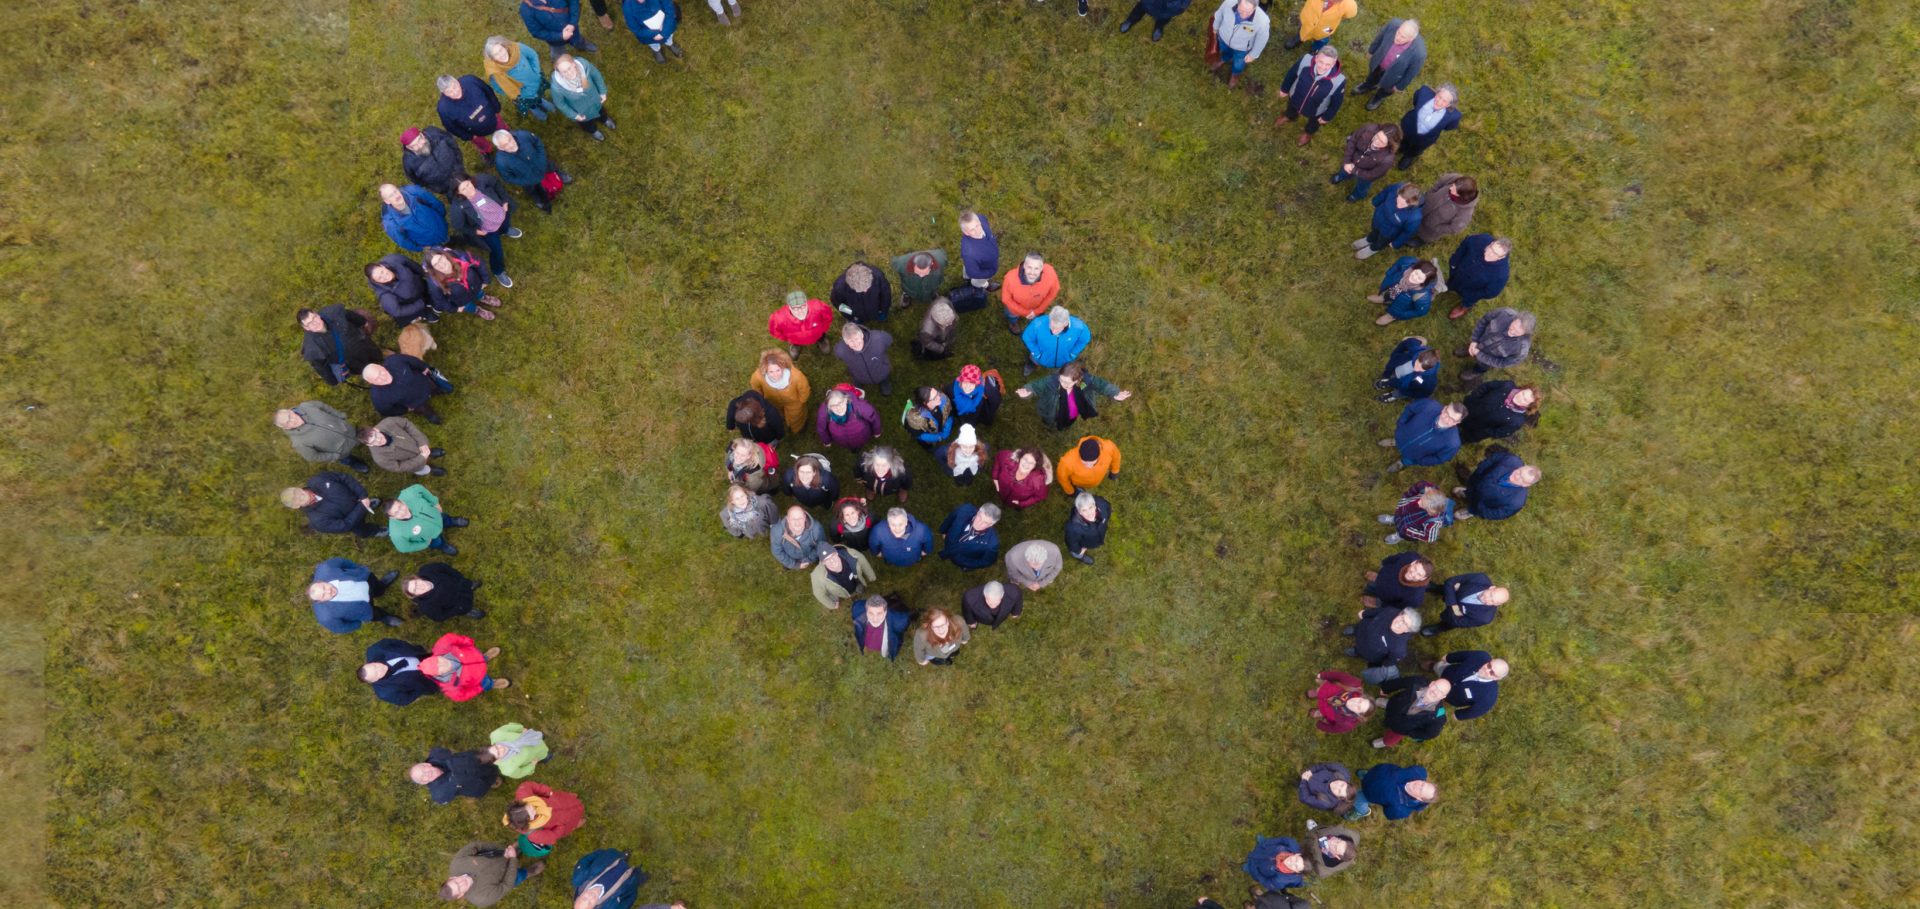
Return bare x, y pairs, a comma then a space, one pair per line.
1087, 525
469, 109
320, 434
1502, 339
1380, 638
521, 159
1033, 564
1434, 111
972, 543
1415, 707
514, 70
796, 543
1315, 89
862, 293
842, 574
1240, 31
1397, 55
885, 473
1055, 341
990, 604
902, 541
863, 351
939, 329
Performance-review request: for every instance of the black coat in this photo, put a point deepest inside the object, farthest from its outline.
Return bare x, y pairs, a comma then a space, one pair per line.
453, 295
1084, 534
462, 773
1401, 693
342, 349
1459, 587
462, 221
827, 493
1386, 587
1374, 639
773, 430
973, 605
399, 688
410, 390
339, 509
863, 307
451, 596
405, 299
1488, 416
439, 168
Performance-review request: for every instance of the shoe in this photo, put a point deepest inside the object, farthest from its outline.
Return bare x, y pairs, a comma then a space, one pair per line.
1376, 298
448, 549
1386, 443
475, 614
606, 22
607, 122
1394, 539
1458, 312
476, 584
1403, 163
1382, 383
544, 206
1349, 630
1360, 242
505, 281
1385, 519
1083, 557
599, 136
1376, 102
1364, 254
1026, 369
457, 522
675, 50
492, 653
358, 465
1233, 81
536, 868
1384, 321
435, 470
1126, 26
993, 286
515, 233
486, 315
436, 452
502, 683
1350, 652
658, 57
538, 113
1389, 397
1397, 467
1083, 7
886, 388
736, 10
1215, 66
392, 620
1460, 490
1379, 743
1313, 824
1157, 33
1304, 139
565, 178
587, 47
1358, 813
386, 580
723, 19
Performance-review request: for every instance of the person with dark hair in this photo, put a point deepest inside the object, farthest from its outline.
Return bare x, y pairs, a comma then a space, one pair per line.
862, 294
864, 351
1340, 701
457, 282
556, 22
1427, 434
392, 667
415, 521
1027, 291
810, 481
1068, 396
1314, 89
1328, 787
783, 385
482, 874
1366, 157
431, 158
1091, 462
1415, 708
400, 286
754, 465
1477, 270
396, 445
971, 541
939, 329
1406, 290
469, 110
1434, 111
747, 515
1475, 676
1399, 791
412, 217
440, 592
449, 775
1497, 410
1412, 373
1396, 56
320, 434
1330, 850
653, 23
885, 473
333, 503
1276, 863
801, 322
1380, 639
543, 816
841, 575
401, 384
797, 542
1447, 208
1396, 220
880, 625
990, 604
976, 395
938, 638
1497, 489
928, 417
1502, 339
1021, 476
343, 592
479, 213
1087, 525
921, 275
846, 419
979, 251
337, 342
521, 159
1419, 515
1162, 12
755, 418
1471, 600
1399, 583
852, 525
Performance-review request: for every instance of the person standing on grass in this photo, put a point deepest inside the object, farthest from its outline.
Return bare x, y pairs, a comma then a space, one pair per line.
939, 329
1240, 29
1328, 787
336, 341
401, 384
1399, 583
1498, 410
521, 159
457, 282
333, 503
1089, 464
1087, 525
604, 879
972, 543
864, 352
747, 515
1066, 397
721, 13
1406, 290
479, 213
1366, 157
460, 669
1314, 89
543, 816
1412, 373
938, 638
752, 464
1477, 270
517, 750
469, 109
1027, 291
841, 575
1497, 489
1276, 863
415, 522
1447, 208
431, 158
400, 286
1397, 55
810, 481
1021, 477
1501, 339
784, 386
846, 419
928, 417
1330, 850
1396, 220
1471, 600
412, 217
513, 69
1053, 343
1399, 791
1319, 19
976, 395
1475, 676
1034, 564
1380, 639
343, 592
885, 473
921, 275
556, 22
1415, 708
1340, 702
966, 455
654, 23
449, 775
392, 668
482, 874
852, 525
755, 418
440, 592
1433, 112
902, 541
990, 604
320, 434
1420, 514
1162, 12
1427, 434
880, 625
862, 294
801, 322
797, 542
979, 251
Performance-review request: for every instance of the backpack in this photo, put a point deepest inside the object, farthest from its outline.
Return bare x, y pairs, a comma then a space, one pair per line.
968, 298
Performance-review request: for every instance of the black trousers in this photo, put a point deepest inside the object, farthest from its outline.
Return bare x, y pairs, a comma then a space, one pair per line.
1373, 85
1140, 12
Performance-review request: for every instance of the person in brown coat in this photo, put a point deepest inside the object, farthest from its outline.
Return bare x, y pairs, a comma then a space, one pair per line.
1369, 154
396, 444
784, 386
1447, 208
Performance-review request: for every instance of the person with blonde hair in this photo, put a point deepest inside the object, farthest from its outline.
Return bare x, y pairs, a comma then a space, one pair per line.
938, 638
514, 71
747, 515
579, 93
784, 386
753, 465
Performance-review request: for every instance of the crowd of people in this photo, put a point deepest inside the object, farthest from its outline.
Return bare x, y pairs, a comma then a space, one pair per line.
847, 523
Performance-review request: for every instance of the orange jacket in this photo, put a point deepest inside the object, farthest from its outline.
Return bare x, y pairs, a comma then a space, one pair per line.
1317, 20
1029, 300
1075, 474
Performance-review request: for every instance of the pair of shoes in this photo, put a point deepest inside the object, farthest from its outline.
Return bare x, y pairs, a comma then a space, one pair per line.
1394, 539
1083, 557
1158, 33
565, 178
1350, 652
504, 280
435, 470
1385, 519
386, 580
1404, 163
358, 465
587, 47
475, 614
538, 113
1382, 383
476, 584
1360, 243
457, 522
515, 233
1429, 631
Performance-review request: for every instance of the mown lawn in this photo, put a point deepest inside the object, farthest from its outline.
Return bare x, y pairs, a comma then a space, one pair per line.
1713, 634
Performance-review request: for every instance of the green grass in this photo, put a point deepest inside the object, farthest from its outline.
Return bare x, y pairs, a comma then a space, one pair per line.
1715, 586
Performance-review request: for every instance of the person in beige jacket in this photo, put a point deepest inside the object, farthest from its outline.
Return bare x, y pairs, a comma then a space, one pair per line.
1033, 564
397, 445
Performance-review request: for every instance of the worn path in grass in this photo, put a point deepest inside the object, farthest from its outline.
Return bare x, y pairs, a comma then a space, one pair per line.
1713, 619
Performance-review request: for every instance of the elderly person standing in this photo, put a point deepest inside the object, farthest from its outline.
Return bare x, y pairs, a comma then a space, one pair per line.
1380, 638
1416, 708
319, 434
801, 322
939, 329
797, 542
864, 351
1314, 89
746, 515
990, 604
579, 93
784, 386
862, 294
1433, 112
1419, 515
556, 22
902, 541
1427, 434
482, 874
396, 445
846, 419
412, 217
1053, 343
333, 503
1021, 476
1498, 410
979, 251
1367, 156
972, 543
513, 69
1478, 270
1502, 339
1162, 12
1447, 208
1497, 489
1241, 29
1027, 291
1471, 600
1034, 564
343, 592
885, 473
1066, 397
1475, 676
1319, 19
841, 575
1398, 53
653, 23
469, 110
521, 158
431, 158
921, 275
1087, 525
401, 384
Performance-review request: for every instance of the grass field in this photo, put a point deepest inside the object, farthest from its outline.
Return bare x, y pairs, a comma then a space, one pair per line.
1714, 625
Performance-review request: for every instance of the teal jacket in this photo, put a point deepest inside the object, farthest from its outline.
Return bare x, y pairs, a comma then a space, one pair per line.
584, 104
426, 525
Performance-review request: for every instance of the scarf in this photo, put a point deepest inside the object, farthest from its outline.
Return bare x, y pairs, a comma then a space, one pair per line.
569, 86
1508, 401
497, 71
782, 384
542, 812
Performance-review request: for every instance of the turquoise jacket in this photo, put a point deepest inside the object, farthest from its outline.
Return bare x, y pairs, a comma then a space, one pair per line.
426, 525
584, 104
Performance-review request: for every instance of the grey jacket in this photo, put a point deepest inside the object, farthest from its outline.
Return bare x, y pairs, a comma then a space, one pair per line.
751, 523
869, 365
1019, 572
1440, 215
401, 454
325, 436
1249, 37
1404, 70
794, 552
1497, 351
923, 651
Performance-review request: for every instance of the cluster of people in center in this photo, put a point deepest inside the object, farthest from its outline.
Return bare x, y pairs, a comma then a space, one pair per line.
844, 517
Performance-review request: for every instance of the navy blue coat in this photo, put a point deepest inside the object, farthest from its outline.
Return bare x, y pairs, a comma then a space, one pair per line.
545, 19
1374, 639
1260, 867
980, 258
461, 773
897, 551
1396, 225
404, 300
1165, 9
636, 12
1470, 275
399, 688
1316, 98
1386, 586
1421, 441
338, 510
526, 166
1401, 694
1416, 383
1406, 68
410, 389
1489, 495
475, 115
966, 549
1085, 534
897, 621
1470, 697
1412, 142
606, 867
1461, 614
1386, 785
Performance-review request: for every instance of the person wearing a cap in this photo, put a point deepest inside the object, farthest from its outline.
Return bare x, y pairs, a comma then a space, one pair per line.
415, 521
801, 322
966, 455
902, 540
841, 575
921, 275
343, 592
864, 352
431, 158
334, 503
976, 395
1089, 464
990, 604
320, 434
972, 541
880, 625
1033, 564
1055, 341
1087, 525
1026, 292
1068, 396
543, 816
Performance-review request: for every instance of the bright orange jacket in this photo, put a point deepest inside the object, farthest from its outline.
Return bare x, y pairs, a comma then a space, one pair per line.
1075, 474
1029, 300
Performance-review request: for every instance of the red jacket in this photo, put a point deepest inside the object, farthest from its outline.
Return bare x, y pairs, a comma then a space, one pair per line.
567, 813
1335, 688
801, 332
473, 667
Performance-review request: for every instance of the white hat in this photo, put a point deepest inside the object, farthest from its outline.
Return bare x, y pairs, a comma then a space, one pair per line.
966, 439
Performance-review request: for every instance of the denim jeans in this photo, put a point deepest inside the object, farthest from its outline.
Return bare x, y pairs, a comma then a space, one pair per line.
1237, 59
496, 250
1360, 187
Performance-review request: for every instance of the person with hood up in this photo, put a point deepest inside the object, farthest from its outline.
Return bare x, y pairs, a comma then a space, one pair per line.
1367, 156
862, 294
1315, 89
1478, 270
1396, 220
513, 69
784, 386
400, 286
412, 217
846, 419
801, 322
431, 158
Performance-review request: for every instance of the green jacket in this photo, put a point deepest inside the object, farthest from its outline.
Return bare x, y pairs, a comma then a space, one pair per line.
917, 289
325, 436
519, 763
1048, 396
584, 104
426, 525
493, 873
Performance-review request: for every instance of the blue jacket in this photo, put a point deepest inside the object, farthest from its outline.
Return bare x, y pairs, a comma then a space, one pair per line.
1406, 68
423, 225
526, 166
965, 548
1461, 614
1470, 275
1053, 351
476, 113
1398, 225
605, 867
1260, 865
897, 622
400, 688
1473, 697
1489, 494
1165, 9
980, 258
1411, 303
1421, 441
1413, 143
1316, 98
545, 19
636, 12
1386, 785
1374, 639
1416, 383
901, 552
942, 420
338, 615
1386, 586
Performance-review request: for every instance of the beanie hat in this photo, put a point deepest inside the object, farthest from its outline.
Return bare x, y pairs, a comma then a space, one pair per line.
1089, 449
966, 438
412, 133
